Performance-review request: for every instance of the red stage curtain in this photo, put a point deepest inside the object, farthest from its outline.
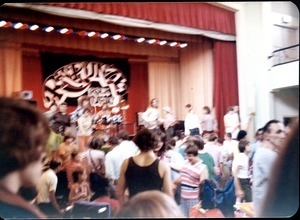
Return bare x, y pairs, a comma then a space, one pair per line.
190, 14
225, 80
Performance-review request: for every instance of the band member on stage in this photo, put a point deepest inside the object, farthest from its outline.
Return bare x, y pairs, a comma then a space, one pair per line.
151, 115
103, 118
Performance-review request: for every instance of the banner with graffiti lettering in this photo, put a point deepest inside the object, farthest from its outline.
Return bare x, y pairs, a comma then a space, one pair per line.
68, 77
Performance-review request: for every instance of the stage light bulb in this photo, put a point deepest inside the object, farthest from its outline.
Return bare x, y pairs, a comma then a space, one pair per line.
92, 33
151, 41
34, 27
173, 44
18, 25
104, 35
140, 40
117, 36
49, 29
183, 45
162, 42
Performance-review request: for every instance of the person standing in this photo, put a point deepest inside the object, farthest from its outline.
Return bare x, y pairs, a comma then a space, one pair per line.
208, 121
232, 122
192, 174
144, 171
24, 132
240, 172
61, 120
113, 159
191, 121
263, 161
169, 120
85, 129
46, 188
152, 116
215, 151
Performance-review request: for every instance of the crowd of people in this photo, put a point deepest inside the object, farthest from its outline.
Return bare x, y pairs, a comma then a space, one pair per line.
155, 173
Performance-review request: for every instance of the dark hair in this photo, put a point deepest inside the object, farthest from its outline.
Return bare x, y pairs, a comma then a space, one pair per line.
228, 135
123, 134
188, 106
54, 163
242, 134
191, 148
198, 141
113, 140
242, 145
159, 136
96, 143
24, 132
266, 127
144, 139
68, 135
207, 109
75, 175
212, 137
170, 143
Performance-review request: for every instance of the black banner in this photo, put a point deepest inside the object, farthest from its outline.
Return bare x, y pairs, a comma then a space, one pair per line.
67, 77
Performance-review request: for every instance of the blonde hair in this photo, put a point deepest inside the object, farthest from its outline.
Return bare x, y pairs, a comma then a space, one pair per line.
151, 203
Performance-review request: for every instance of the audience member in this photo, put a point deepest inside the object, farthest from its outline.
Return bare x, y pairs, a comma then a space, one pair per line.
228, 149
102, 194
206, 158
152, 116
257, 143
263, 161
65, 149
80, 189
282, 197
192, 174
46, 188
214, 150
136, 171
113, 159
75, 163
160, 142
150, 204
24, 133
240, 172
175, 160
191, 121
208, 121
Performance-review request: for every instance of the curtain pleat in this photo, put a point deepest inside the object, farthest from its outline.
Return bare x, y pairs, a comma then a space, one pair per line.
225, 80
190, 14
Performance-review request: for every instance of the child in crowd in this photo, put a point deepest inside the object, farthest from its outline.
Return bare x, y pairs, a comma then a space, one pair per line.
80, 189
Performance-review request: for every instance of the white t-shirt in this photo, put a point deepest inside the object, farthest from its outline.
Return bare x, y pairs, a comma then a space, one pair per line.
241, 161
47, 183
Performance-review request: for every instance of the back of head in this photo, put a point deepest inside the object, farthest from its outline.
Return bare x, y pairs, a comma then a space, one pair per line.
24, 132
96, 143
212, 137
241, 135
123, 135
144, 139
150, 204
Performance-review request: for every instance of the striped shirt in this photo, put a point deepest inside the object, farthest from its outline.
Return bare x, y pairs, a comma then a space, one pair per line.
191, 176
